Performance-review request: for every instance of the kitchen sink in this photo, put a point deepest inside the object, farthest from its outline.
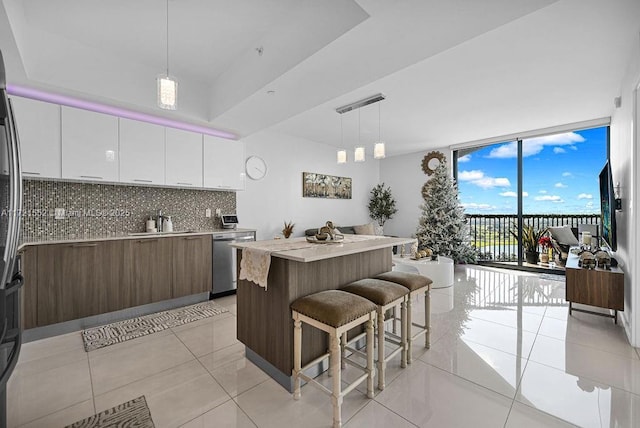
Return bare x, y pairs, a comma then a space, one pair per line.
175, 232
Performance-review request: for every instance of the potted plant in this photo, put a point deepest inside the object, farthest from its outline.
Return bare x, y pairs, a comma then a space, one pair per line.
545, 243
382, 206
288, 229
530, 238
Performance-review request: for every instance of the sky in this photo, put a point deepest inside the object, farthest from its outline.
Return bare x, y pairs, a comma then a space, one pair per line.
560, 175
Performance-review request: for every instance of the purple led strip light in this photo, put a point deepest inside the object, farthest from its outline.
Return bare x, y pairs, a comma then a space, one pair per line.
114, 111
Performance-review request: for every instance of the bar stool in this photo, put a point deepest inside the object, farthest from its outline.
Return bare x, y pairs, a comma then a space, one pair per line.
334, 312
416, 284
385, 295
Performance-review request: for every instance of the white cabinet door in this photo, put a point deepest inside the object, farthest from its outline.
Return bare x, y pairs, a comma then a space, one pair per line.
38, 126
223, 163
184, 158
89, 145
141, 152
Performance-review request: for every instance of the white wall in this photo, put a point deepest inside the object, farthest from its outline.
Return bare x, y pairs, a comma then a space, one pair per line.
624, 162
267, 203
405, 177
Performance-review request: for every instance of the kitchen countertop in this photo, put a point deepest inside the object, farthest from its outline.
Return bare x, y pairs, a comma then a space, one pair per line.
298, 249
132, 235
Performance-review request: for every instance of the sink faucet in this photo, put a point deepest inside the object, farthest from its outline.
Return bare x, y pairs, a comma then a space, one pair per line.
160, 221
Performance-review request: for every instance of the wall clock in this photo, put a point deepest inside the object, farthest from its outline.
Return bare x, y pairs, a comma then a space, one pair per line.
255, 167
431, 161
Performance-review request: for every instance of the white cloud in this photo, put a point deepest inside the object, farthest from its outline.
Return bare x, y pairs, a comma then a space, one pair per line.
465, 158
510, 194
542, 191
560, 185
557, 150
551, 198
478, 178
470, 175
589, 204
481, 207
585, 196
573, 147
567, 174
533, 146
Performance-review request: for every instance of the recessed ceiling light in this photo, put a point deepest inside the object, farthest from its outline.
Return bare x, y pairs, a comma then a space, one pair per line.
271, 92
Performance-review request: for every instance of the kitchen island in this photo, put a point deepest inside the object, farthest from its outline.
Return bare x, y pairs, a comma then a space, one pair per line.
298, 268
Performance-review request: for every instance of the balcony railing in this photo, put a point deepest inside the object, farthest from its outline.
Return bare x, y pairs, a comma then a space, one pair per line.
490, 232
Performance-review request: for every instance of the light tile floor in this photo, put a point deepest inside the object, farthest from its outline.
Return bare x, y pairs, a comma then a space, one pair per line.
504, 353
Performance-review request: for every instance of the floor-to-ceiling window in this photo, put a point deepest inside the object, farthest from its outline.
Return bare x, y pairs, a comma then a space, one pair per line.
540, 181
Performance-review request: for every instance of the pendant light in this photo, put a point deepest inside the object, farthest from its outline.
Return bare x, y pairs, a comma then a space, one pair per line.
359, 150
342, 153
378, 148
358, 154
167, 86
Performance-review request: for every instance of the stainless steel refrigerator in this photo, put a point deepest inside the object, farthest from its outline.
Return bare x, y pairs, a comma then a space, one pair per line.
11, 279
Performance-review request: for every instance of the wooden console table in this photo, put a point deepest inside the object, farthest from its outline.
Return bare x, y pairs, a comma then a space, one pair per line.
594, 287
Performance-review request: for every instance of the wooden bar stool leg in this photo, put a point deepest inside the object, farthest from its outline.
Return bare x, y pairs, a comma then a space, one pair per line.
427, 318
403, 332
394, 330
336, 397
409, 324
297, 357
343, 344
381, 360
370, 365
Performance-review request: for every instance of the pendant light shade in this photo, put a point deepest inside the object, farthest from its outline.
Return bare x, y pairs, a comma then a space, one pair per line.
167, 92
167, 86
378, 150
358, 154
342, 156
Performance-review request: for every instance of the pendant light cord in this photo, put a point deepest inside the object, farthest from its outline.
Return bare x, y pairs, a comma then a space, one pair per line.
167, 38
379, 133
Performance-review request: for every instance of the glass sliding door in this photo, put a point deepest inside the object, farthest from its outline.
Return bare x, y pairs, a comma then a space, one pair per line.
538, 182
487, 182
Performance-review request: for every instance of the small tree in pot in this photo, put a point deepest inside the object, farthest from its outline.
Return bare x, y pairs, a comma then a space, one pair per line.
382, 206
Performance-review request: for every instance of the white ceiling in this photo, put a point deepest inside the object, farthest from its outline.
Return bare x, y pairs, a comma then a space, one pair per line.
452, 70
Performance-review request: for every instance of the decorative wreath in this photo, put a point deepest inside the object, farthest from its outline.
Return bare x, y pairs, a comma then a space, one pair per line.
427, 159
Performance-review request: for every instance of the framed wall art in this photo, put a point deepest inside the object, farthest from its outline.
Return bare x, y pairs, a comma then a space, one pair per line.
316, 185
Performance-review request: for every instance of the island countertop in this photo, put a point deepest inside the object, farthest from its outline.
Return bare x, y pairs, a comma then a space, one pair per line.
299, 250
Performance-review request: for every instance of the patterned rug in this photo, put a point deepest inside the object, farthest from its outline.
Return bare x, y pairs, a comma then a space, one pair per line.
121, 331
134, 413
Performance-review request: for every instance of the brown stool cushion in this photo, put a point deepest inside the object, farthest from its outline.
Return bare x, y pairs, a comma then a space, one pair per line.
333, 307
412, 281
378, 291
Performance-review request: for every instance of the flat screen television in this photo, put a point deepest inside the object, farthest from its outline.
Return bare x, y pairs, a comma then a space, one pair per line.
607, 208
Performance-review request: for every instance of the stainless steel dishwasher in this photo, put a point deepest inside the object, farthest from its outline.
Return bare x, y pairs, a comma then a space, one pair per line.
224, 261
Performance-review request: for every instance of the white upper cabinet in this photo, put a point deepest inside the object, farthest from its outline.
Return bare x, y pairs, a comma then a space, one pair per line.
89, 145
184, 158
223, 163
141, 152
38, 126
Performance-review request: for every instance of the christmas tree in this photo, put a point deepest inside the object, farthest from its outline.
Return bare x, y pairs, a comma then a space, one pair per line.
443, 226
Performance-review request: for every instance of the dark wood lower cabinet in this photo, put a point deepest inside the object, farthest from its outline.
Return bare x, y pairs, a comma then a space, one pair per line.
69, 281
29, 261
79, 280
149, 265
191, 265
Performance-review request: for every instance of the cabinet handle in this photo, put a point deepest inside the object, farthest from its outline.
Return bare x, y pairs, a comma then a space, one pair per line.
83, 245
30, 173
192, 238
185, 184
138, 180
95, 177
142, 241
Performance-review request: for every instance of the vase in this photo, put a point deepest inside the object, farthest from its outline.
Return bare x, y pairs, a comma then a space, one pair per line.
544, 257
531, 257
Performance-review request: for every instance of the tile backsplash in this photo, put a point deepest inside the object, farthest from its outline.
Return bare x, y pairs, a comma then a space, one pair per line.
103, 210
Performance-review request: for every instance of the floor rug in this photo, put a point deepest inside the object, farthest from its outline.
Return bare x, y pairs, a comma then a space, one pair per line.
121, 331
134, 413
